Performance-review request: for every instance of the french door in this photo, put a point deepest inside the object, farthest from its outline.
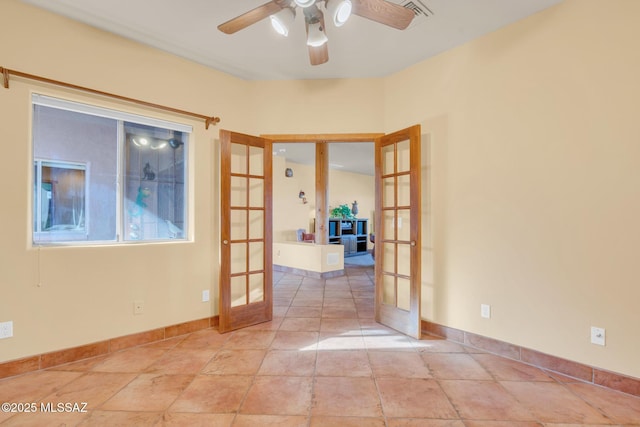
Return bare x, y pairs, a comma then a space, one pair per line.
246, 288
397, 227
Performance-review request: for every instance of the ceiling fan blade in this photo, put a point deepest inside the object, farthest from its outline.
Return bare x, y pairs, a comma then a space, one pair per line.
384, 12
254, 15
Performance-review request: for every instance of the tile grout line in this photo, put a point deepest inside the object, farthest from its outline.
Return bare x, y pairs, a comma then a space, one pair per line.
506, 390
311, 397
315, 365
166, 411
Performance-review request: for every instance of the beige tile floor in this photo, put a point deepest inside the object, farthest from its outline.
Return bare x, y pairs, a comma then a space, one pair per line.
322, 361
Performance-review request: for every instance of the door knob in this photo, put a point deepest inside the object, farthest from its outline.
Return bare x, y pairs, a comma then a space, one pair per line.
225, 241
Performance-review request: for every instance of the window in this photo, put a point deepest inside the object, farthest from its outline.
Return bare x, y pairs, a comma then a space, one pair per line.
106, 176
59, 200
154, 183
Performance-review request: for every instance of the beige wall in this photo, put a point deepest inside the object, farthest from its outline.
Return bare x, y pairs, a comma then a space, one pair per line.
534, 173
87, 294
535, 193
289, 212
63, 297
309, 257
317, 106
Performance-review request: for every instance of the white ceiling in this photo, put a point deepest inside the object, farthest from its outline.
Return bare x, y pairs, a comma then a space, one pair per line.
361, 48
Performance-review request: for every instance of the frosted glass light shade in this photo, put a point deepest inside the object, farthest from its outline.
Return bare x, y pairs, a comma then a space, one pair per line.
281, 21
316, 36
339, 11
305, 3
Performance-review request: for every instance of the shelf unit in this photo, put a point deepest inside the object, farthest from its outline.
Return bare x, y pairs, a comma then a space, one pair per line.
352, 233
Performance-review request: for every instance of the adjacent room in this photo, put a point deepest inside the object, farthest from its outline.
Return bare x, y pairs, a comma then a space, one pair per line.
351, 207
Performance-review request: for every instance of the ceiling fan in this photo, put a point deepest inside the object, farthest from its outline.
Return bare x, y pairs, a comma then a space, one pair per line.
283, 12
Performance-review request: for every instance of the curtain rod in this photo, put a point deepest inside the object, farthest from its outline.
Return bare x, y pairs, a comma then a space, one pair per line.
6, 72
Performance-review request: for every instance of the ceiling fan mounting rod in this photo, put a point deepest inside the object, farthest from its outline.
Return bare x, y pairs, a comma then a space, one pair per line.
312, 14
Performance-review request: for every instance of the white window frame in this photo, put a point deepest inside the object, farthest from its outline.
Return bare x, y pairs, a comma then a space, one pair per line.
94, 110
41, 239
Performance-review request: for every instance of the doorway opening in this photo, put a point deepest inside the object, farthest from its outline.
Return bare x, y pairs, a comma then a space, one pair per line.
332, 206
246, 191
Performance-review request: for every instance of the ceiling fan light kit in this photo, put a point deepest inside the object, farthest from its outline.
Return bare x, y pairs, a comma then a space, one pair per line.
339, 11
304, 3
282, 15
316, 37
281, 21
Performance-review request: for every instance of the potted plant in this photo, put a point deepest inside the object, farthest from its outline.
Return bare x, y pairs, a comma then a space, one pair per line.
342, 211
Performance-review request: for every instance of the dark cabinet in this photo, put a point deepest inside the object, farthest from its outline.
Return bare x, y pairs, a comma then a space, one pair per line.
352, 233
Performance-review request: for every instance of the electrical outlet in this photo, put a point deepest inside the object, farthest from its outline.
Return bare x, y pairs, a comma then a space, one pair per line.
6, 329
205, 295
598, 336
138, 307
485, 311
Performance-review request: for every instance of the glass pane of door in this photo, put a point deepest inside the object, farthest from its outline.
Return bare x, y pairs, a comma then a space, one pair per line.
238, 258
256, 287
238, 158
238, 191
238, 224
256, 161
256, 224
403, 156
238, 290
389, 290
